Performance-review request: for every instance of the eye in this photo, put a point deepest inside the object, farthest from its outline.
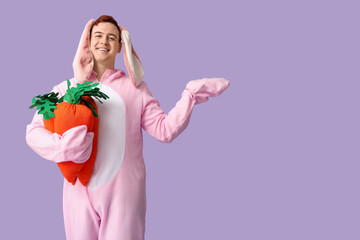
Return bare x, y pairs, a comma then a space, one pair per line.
98, 36
112, 39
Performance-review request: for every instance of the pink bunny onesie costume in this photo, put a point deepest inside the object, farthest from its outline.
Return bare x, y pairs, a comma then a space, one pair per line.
113, 205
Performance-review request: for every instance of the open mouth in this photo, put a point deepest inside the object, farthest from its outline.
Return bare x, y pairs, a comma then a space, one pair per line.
103, 49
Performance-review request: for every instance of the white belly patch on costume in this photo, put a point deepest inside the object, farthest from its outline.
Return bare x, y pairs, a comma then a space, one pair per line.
111, 138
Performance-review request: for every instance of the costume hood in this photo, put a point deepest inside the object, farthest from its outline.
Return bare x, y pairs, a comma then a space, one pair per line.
83, 61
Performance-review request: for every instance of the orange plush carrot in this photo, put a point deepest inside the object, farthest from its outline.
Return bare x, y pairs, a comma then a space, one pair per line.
60, 116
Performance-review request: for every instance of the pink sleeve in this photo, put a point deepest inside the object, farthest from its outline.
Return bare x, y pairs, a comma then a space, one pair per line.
74, 145
165, 127
42, 141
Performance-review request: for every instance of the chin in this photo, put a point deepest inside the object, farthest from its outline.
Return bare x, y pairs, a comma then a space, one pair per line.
103, 60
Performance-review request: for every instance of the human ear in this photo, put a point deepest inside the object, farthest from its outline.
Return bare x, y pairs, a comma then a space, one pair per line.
119, 50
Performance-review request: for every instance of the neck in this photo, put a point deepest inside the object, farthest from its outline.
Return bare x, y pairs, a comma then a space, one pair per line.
100, 68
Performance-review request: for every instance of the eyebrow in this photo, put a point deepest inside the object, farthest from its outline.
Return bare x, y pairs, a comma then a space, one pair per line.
103, 33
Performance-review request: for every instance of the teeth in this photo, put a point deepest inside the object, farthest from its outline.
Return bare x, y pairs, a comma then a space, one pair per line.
103, 49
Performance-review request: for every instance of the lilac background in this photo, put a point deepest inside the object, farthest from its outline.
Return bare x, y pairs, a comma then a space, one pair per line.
275, 157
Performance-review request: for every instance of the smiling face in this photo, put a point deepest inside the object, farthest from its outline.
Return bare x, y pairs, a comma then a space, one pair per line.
104, 44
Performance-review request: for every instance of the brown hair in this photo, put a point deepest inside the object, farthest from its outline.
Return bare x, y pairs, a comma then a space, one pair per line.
107, 18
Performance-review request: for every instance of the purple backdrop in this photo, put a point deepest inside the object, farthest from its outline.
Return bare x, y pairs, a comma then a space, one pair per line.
275, 157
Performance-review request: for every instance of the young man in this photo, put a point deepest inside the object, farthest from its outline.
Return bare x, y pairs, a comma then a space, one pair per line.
113, 205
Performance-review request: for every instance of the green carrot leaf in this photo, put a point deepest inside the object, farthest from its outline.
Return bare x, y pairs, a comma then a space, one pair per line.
47, 103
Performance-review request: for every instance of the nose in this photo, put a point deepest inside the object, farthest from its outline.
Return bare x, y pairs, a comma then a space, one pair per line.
104, 41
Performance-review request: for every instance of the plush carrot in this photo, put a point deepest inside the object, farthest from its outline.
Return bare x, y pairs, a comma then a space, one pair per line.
79, 109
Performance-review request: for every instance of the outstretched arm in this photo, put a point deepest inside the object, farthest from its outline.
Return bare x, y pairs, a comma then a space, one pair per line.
166, 127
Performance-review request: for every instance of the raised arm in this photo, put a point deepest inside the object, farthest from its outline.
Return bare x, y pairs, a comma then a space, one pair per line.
166, 127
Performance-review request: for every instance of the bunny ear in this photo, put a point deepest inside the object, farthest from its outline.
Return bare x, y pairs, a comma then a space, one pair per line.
131, 59
83, 61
